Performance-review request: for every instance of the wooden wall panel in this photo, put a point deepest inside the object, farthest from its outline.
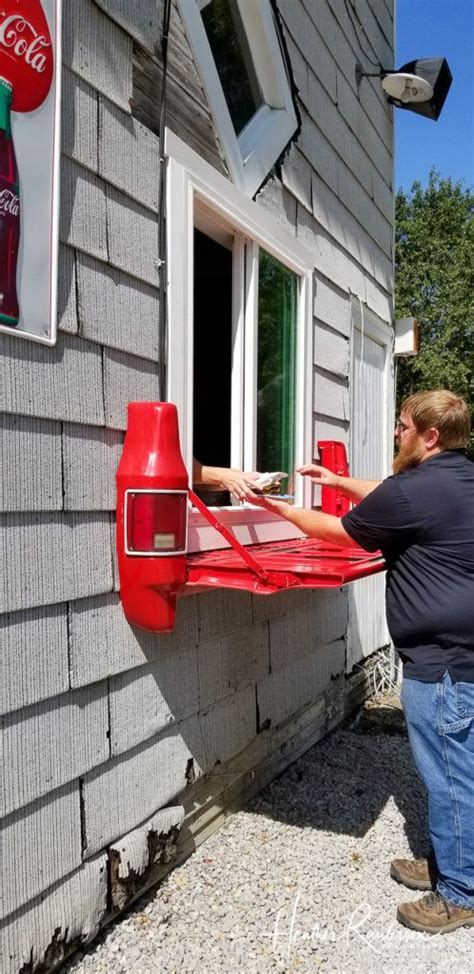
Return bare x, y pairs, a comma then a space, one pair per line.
294, 688
90, 459
34, 662
127, 790
103, 643
127, 378
331, 350
40, 845
228, 663
129, 155
31, 464
146, 701
79, 121
63, 382
68, 912
82, 218
132, 236
115, 309
53, 557
52, 743
297, 634
67, 306
98, 51
223, 611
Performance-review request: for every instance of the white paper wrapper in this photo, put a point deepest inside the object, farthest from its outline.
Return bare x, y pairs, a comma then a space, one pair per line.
266, 480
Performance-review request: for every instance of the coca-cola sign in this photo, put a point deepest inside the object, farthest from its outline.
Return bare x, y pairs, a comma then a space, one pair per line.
9, 202
12, 36
30, 32
26, 52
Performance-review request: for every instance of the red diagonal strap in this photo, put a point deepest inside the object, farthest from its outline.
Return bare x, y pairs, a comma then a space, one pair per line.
239, 548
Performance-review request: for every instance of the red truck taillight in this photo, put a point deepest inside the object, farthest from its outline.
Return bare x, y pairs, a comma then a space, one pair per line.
156, 522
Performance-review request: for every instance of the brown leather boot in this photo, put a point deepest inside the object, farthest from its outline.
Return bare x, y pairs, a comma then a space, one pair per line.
433, 914
415, 873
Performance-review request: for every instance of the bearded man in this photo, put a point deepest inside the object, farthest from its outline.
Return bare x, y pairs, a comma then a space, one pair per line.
422, 519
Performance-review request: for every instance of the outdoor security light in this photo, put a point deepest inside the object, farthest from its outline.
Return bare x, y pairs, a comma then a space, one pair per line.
419, 86
407, 88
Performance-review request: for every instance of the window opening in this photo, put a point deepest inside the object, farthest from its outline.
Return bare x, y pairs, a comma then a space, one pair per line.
212, 358
219, 241
276, 366
228, 42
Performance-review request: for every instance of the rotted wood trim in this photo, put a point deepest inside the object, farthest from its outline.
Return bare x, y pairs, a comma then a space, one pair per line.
187, 114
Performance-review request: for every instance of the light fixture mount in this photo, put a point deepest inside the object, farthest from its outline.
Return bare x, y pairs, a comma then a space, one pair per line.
419, 86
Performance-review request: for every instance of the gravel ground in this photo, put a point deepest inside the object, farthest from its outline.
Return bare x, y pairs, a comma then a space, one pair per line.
299, 880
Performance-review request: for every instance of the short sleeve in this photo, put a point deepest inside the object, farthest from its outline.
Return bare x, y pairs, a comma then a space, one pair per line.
384, 518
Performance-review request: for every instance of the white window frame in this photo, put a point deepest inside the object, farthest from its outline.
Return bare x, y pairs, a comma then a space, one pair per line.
381, 332
251, 155
194, 187
367, 629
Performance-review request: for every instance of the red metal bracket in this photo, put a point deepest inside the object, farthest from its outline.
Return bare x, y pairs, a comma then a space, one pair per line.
333, 456
268, 578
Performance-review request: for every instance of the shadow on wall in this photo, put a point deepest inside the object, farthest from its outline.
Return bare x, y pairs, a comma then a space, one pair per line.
343, 784
190, 714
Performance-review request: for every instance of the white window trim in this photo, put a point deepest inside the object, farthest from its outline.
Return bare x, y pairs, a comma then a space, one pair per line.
191, 179
381, 332
251, 155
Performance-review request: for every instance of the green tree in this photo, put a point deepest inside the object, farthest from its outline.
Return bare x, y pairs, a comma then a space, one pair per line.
434, 282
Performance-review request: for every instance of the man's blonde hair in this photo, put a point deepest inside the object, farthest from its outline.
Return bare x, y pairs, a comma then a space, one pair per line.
443, 410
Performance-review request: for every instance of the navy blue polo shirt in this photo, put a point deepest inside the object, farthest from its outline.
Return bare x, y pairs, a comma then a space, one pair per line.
423, 522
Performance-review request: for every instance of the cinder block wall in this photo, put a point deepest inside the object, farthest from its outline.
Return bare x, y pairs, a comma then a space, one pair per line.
104, 726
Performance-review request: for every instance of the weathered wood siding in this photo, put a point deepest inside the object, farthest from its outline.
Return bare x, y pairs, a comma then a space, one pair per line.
104, 725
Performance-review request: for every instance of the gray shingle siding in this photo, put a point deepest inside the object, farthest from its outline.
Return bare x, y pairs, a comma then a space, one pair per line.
103, 722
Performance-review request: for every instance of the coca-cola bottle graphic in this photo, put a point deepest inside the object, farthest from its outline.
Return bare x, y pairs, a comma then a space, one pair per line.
9, 212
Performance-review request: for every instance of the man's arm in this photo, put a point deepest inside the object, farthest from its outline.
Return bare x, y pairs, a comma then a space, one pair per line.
314, 524
351, 487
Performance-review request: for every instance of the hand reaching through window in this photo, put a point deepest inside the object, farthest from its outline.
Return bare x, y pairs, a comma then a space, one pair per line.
238, 483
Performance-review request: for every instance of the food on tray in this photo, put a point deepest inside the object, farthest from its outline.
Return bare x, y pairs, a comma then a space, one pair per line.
269, 483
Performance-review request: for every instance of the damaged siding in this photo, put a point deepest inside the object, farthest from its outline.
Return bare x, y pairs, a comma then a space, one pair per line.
135, 856
104, 725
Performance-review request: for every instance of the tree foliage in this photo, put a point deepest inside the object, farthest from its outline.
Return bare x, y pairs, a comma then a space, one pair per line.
434, 282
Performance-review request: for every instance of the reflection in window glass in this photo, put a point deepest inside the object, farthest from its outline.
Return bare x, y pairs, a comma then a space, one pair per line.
276, 369
230, 50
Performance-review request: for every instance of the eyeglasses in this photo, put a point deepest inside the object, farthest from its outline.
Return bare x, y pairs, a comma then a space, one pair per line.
401, 427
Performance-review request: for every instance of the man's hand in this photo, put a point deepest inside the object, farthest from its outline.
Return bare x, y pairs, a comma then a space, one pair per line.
351, 487
314, 524
319, 475
270, 503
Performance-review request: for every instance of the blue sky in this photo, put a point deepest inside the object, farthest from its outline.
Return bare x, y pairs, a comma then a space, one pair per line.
437, 28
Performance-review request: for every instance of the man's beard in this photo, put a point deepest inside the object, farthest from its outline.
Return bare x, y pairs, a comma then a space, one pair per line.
409, 454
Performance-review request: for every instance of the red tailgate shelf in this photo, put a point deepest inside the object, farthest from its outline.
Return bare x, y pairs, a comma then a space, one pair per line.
152, 531
272, 566
304, 563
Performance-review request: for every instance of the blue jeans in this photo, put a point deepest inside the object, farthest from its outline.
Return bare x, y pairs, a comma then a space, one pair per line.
440, 722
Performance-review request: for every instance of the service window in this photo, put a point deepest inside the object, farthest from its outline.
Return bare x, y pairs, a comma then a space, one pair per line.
240, 339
